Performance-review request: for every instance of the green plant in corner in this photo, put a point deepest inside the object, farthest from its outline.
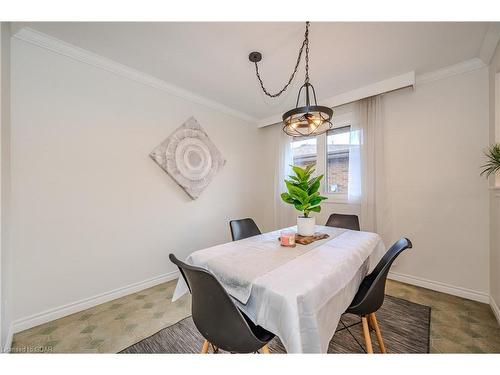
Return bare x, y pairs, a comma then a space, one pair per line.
492, 165
303, 190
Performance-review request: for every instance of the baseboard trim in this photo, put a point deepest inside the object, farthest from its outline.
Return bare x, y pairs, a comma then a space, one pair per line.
74, 307
495, 309
8, 344
441, 287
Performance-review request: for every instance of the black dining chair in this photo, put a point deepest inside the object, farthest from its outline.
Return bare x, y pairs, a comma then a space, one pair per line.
243, 228
219, 320
343, 221
371, 292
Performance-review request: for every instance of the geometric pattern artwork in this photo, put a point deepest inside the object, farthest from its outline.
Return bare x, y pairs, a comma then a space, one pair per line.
189, 157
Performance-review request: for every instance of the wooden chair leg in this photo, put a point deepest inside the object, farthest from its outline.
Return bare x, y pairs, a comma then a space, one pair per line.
370, 324
366, 333
380, 340
265, 349
204, 349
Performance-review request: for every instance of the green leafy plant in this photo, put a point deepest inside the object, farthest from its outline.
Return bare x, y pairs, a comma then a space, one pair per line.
303, 190
493, 160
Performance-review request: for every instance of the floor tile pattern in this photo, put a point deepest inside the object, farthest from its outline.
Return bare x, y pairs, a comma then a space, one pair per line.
107, 328
457, 325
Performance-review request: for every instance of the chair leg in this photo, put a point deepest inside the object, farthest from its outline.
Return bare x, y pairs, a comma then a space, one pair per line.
366, 333
380, 340
370, 324
204, 349
265, 349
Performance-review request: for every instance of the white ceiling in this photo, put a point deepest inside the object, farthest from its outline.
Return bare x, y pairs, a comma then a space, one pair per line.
211, 59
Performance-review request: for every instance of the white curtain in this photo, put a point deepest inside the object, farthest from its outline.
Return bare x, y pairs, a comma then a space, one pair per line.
284, 214
355, 142
367, 183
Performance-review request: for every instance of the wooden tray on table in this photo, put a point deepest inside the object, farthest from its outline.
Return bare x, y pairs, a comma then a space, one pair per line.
306, 240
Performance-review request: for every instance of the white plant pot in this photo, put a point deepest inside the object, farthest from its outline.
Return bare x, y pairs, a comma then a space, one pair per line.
305, 225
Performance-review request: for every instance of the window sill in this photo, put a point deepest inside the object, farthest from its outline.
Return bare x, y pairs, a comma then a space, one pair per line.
338, 199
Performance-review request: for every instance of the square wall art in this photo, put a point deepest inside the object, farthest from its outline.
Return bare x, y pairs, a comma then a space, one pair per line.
189, 157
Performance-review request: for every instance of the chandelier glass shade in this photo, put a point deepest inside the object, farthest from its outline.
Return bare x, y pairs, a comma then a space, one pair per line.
307, 120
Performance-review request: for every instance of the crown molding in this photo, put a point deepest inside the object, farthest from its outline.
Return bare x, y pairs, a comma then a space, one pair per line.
405, 80
76, 53
63, 48
451, 70
490, 42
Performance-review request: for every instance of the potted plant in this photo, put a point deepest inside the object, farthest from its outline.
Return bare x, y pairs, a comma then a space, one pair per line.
493, 163
303, 194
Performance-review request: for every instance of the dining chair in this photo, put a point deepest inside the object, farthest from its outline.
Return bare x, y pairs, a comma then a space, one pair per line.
343, 221
370, 295
243, 228
219, 320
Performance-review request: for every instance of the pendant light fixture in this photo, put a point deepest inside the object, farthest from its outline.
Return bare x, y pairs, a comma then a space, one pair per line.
305, 120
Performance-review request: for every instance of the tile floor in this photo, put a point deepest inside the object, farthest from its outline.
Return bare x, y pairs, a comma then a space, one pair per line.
109, 327
457, 325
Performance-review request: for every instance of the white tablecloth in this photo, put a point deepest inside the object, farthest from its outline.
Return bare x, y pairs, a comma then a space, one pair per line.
302, 300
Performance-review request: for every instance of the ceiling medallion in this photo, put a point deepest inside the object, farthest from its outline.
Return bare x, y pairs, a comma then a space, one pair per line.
310, 119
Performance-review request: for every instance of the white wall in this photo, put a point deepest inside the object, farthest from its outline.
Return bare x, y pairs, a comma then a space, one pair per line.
5, 256
91, 212
495, 191
434, 138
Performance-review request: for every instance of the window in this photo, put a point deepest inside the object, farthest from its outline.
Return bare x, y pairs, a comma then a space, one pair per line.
304, 151
337, 160
335, 154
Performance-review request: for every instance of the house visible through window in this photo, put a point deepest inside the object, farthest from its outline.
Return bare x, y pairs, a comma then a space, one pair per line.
304, 151
337, 161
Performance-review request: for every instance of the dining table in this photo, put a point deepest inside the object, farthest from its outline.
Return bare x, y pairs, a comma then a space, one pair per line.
298, 293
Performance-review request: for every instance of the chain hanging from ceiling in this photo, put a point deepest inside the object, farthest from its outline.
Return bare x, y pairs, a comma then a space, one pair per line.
302, 121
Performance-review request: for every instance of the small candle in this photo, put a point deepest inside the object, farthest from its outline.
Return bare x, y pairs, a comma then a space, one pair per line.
287, 238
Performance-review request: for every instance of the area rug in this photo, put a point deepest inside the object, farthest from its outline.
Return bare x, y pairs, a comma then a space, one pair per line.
405, 327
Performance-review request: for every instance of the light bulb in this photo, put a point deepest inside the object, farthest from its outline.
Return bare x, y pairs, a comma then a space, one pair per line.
313, 122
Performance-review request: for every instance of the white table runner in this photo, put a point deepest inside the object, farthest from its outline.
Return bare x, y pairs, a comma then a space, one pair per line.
261, 255
301, 300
